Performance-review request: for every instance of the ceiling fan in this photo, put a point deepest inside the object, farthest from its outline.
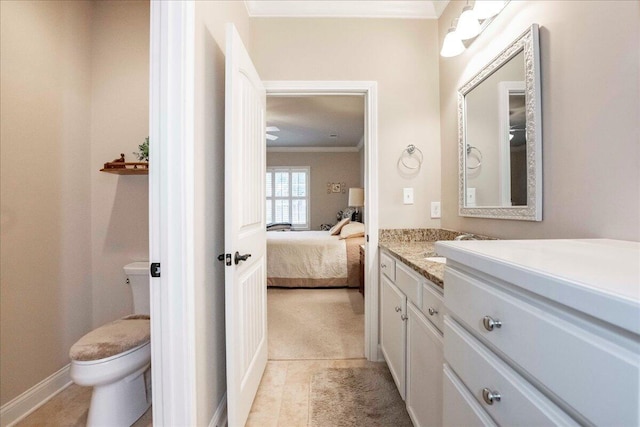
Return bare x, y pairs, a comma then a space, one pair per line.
272, 129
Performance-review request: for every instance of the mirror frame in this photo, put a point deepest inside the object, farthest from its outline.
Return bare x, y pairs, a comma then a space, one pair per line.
528, 43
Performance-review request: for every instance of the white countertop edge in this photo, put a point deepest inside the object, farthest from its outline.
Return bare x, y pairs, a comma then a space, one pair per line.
596, 302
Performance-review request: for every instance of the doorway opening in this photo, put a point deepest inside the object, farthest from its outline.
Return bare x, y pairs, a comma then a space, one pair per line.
314, 209
327, 150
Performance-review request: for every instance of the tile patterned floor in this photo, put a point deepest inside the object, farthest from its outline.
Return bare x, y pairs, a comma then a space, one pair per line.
70, 408
283, 395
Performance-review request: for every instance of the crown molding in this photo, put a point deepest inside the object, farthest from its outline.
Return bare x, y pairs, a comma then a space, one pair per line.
404, 9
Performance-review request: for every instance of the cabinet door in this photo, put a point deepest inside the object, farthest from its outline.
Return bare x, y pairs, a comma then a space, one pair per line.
459, 407
393, 309
424, 370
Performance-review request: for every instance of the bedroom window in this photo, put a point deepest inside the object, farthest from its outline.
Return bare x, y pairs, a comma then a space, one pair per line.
288, 196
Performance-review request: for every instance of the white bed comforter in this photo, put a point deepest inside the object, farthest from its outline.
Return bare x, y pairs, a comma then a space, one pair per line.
305, 254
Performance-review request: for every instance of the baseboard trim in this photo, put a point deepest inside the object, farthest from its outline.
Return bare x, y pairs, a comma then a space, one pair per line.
220, 417
23, 405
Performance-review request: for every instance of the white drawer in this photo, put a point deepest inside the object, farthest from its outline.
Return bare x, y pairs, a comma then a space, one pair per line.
409, 282
432, 305
481, 371
388, 266
459, 408
596, 377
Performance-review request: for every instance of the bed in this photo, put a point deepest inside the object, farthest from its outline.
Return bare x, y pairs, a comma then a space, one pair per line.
312, 259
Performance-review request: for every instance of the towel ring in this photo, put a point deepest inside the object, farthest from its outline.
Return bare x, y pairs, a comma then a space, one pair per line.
470, 148
410, 151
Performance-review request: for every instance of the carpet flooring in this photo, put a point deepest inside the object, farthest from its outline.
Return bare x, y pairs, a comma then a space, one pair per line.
312, 324
356, 397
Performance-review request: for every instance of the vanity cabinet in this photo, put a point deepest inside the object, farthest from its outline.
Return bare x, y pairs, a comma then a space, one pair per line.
543, 332
411, 342
393, 333
424, 369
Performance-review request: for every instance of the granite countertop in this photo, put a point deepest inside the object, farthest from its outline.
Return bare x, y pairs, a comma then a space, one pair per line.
413, 255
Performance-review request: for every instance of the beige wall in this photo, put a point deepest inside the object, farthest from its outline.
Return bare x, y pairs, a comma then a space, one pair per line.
74, 96
46, 188
119, 123
590, 56
325, 167
402, 56
210, 20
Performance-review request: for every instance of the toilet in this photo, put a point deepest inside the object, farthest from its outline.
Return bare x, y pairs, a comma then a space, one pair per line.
115, 360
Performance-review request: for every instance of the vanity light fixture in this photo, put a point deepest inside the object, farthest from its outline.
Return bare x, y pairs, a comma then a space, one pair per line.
485, 9
468, 25
452, 45
471, 23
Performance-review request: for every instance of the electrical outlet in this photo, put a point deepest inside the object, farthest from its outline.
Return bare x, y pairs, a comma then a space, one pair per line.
407, 196
471, 197
435, 209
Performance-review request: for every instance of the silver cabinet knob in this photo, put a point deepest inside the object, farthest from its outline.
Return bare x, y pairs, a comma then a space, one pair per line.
490, 396
432, 311
404, 317
490, 323
398, 309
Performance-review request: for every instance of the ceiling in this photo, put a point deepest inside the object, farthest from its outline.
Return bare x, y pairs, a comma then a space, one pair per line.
410, 9
309, 121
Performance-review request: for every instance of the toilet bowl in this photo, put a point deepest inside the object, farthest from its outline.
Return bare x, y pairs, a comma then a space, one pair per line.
115, 360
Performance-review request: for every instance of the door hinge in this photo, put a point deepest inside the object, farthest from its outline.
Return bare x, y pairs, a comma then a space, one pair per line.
155, 269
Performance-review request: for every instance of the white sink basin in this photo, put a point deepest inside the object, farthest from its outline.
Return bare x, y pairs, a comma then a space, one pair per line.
439, 259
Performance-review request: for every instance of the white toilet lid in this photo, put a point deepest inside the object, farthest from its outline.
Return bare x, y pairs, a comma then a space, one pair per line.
112, 339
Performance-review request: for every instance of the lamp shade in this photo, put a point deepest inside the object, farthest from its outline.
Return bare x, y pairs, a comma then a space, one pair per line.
356, 197
487, 8
468, 25
452, 45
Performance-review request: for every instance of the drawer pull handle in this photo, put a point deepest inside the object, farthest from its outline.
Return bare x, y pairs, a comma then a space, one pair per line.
432, 311
398, 309
383, 265
490, 323
490, 396
404, 317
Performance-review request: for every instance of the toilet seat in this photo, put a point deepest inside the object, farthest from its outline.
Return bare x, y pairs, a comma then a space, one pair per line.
113, 340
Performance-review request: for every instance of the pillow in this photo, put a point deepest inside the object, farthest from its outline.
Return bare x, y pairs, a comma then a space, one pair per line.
335, 230
348, 212
353, 229
279, 226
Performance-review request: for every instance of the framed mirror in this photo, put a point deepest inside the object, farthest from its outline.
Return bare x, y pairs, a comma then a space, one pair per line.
500, 136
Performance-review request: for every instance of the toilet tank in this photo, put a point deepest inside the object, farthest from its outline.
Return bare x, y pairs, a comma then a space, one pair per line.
138, 275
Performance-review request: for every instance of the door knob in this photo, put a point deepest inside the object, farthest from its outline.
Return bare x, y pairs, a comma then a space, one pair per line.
490, 396
489, 323
237, 257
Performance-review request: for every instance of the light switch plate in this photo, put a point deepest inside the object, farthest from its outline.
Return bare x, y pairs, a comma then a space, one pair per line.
435, 209
407, 196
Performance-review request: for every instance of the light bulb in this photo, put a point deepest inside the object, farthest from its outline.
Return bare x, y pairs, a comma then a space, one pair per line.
468, 25
452, 45
487, 8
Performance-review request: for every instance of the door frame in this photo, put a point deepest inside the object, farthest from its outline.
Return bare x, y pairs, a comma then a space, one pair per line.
369, 89
171, 211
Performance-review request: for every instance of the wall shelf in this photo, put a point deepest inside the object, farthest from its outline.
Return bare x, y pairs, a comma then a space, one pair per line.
120, 167
126, 171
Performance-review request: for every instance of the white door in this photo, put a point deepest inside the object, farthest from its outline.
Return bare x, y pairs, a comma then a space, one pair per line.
245, 233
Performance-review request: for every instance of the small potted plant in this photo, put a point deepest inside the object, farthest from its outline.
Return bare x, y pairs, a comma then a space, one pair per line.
143, 155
